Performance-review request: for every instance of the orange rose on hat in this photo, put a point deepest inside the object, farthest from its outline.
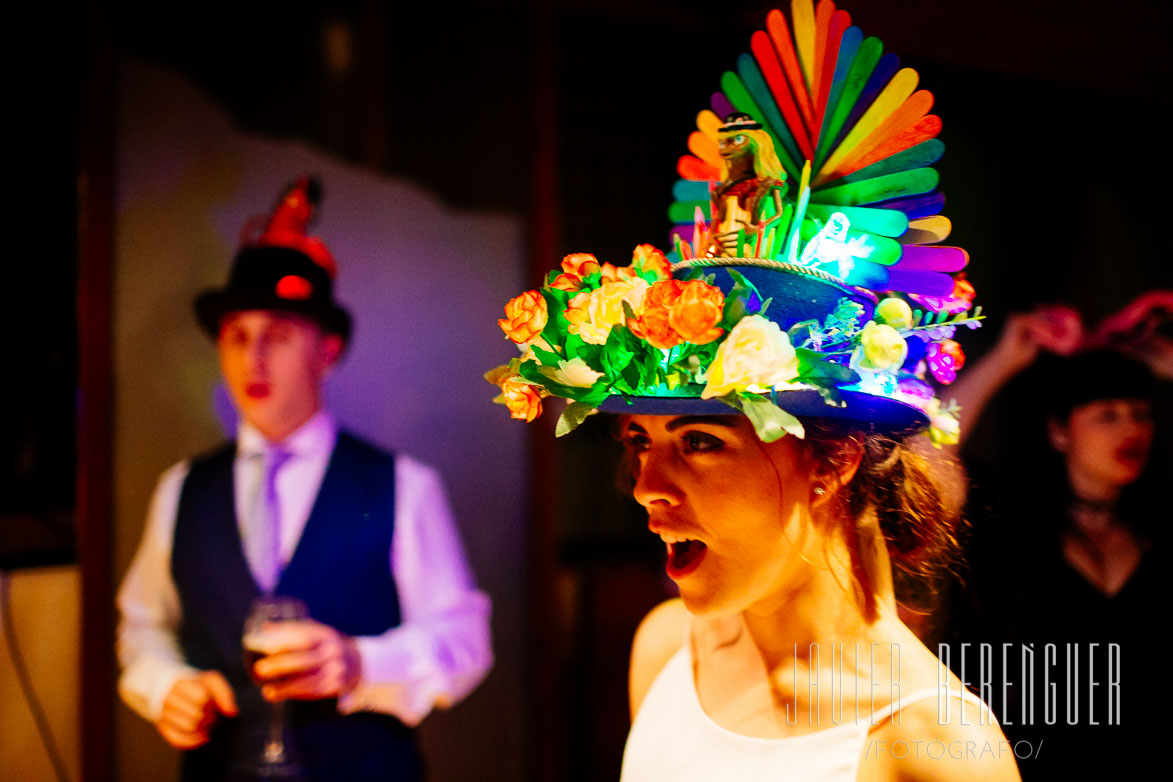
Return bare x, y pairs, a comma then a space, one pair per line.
525, 317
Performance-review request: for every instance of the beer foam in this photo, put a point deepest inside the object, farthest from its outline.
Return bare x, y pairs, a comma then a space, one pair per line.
267, 641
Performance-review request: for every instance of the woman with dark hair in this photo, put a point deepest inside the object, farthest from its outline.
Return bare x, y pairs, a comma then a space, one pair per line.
1064, 552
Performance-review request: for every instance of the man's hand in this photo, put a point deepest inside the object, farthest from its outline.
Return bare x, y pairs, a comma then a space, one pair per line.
192, 706
309, 660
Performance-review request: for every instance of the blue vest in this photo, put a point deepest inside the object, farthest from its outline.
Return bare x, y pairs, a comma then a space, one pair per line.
341, 570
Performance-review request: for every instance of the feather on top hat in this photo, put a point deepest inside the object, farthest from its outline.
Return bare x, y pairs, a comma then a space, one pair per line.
280, 267
806, 280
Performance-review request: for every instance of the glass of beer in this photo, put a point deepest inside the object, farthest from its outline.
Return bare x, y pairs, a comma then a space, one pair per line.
262, 636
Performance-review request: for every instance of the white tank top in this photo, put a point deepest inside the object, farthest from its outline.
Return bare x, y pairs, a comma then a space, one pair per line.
673, 739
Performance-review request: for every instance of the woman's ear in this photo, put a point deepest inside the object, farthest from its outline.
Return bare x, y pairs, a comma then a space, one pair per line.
833, 474
1057, 435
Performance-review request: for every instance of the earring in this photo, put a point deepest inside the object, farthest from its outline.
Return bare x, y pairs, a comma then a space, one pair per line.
820, 491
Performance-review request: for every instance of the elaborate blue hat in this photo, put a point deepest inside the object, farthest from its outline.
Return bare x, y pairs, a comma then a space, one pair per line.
807, 279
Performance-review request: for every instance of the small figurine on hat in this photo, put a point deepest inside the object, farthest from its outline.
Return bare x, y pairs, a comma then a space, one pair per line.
751, 172
831, 250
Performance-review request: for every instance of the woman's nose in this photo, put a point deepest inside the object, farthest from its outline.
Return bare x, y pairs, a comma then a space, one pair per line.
655, 482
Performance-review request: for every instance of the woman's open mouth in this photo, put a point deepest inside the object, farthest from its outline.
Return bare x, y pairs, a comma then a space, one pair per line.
1131, 454
684, 556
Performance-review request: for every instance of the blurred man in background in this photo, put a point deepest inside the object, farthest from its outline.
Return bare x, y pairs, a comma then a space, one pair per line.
293, 507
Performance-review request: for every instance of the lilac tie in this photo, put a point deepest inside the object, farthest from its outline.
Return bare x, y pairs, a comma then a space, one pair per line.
263, 543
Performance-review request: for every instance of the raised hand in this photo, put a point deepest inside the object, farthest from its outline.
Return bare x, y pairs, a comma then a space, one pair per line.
1136, 329
1138, 319
1055, 327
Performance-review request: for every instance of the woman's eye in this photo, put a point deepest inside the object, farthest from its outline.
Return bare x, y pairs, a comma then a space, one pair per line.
636, 442
702, 442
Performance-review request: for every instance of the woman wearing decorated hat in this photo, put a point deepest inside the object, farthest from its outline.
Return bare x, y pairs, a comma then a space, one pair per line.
771, 386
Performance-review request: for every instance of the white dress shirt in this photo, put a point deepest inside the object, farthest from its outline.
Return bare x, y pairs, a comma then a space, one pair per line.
439, 653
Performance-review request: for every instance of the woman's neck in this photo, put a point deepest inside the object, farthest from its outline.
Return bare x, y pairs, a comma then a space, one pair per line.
1092, 518
824, 609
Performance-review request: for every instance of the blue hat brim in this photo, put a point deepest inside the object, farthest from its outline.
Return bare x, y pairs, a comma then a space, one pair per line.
878, 413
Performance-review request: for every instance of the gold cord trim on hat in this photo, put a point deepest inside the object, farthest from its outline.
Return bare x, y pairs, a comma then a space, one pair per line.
784, 266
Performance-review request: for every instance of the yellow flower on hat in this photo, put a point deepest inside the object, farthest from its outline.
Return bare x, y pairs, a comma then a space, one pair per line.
575, 373
894, 312
880, 347
756, 356
944, 428
593, 313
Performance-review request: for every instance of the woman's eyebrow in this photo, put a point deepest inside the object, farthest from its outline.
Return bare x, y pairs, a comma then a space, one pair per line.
727, 421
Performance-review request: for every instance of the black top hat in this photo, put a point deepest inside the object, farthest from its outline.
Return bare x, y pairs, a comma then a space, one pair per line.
283, 269
737, 120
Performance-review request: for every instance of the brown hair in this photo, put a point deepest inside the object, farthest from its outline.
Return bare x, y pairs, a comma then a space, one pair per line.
918, 506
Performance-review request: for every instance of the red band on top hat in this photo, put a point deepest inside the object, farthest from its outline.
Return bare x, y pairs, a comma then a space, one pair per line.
294, 288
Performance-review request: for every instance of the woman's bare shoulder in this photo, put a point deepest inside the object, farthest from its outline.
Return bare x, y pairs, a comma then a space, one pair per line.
660, 635
944, 739
948, 738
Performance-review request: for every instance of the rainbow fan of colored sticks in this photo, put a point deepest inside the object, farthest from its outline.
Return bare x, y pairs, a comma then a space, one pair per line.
854, 194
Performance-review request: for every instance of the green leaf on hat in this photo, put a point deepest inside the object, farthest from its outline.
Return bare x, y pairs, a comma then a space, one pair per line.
632, 376
616, 353
650, 369
556, 331
548, 358
800, 333
738, 299
816, 369
595, 395
537, 375
769, 421
735, 310
830, 395
574, 414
